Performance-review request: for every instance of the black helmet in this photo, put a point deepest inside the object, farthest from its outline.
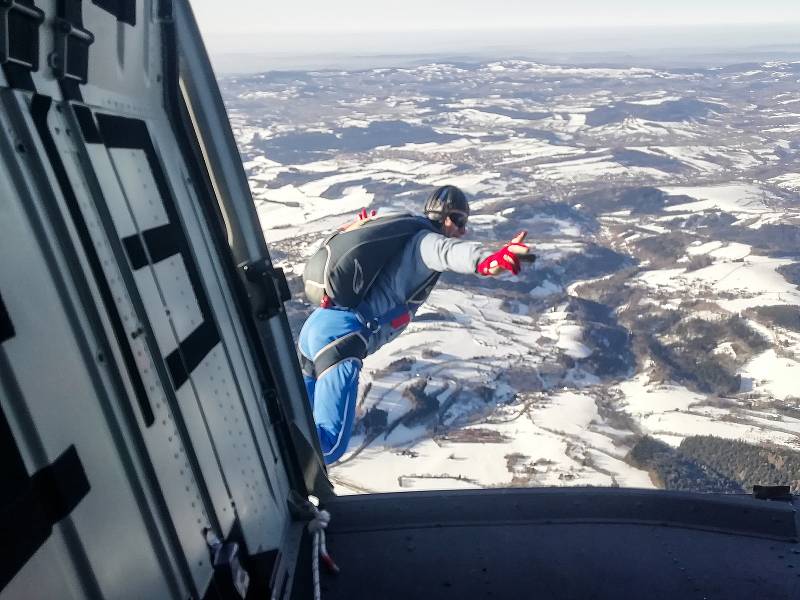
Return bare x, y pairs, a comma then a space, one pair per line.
444, 201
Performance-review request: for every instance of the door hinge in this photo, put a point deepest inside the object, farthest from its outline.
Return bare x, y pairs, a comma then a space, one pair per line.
70, 57
19, 33
267, 288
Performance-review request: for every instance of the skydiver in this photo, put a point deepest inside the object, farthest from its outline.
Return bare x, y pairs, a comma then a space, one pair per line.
334, 340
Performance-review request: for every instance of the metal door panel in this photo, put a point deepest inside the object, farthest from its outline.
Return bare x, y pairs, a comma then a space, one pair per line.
178, 297
267, 525
220, 392
156, 313
163, 388
166, 448
140, 188
61, 407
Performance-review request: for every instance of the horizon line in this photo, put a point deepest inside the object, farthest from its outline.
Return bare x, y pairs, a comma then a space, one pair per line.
501, 29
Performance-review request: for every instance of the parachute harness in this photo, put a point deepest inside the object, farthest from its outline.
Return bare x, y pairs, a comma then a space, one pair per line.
319, 550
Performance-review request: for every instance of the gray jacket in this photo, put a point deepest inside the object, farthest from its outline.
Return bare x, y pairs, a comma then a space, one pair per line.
410, 275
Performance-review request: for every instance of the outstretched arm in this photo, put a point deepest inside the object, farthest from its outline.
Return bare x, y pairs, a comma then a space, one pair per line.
440, 253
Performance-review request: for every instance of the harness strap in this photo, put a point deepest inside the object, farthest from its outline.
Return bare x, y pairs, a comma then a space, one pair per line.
396, 317
306, 364
353, 345
424, 290
348, 347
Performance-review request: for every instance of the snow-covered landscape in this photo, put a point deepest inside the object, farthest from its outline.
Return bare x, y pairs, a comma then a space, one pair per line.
662, 205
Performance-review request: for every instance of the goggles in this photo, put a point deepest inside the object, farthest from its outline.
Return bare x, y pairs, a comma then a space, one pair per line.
459, 219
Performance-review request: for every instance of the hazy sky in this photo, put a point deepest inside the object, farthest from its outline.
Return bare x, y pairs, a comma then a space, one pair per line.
254, 16
255, 35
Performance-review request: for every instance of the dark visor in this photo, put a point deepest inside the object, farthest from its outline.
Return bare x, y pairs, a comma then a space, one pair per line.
459, 219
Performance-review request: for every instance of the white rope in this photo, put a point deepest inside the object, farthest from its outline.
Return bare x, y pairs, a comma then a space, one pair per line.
319, 549
315, 566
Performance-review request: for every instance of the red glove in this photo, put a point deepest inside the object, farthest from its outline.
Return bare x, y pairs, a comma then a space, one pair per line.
362, 216
507, 258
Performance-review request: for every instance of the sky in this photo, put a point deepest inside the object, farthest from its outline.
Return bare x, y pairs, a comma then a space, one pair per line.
255, 16
253, 35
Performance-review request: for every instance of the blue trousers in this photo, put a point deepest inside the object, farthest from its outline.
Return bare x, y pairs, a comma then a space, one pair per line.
334, 394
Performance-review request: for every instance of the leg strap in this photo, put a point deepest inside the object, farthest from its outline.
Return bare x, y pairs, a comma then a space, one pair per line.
352, 345
306, 365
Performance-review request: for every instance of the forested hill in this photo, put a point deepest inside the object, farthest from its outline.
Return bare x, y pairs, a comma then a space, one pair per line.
711, 464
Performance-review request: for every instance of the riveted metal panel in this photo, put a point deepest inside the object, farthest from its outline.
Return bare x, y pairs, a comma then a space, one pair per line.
159, 321
171, 458
238, 455
228, 397
241, 362
136, 179
179, 298
170, 377
173, 312
54, 397
124, 70
129, 73
172, 309
268, 521
185, 299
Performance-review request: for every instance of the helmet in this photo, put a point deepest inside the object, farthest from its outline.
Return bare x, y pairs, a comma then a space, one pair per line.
445, 200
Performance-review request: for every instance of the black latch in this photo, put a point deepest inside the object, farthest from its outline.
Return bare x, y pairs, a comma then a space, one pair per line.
124, 10
19, 33
6, 326
70, 58
231, 580
31, 505
267, 289
772, 492
165, 10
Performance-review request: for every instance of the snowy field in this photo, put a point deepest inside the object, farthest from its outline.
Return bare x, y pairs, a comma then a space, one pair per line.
525, 389
554, 439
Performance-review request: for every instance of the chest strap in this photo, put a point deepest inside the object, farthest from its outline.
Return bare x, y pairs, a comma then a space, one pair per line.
396, 317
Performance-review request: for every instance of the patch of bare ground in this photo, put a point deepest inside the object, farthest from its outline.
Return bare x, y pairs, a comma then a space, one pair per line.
524, 471
787, 317
612, 416
423, 405
524, 378
789, 406
663, 250
612, 291
475, 435
398, 366
372, 421
406, 481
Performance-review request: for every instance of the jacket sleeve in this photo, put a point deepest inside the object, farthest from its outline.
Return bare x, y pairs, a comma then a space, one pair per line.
440, 253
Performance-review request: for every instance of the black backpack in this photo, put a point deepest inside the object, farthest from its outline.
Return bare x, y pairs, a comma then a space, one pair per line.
348, 262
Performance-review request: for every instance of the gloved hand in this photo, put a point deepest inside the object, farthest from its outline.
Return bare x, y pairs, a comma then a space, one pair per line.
362, 216
507, 258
